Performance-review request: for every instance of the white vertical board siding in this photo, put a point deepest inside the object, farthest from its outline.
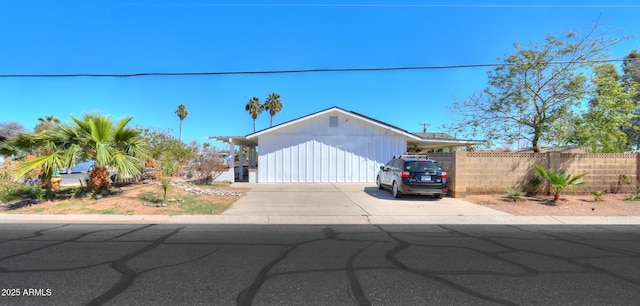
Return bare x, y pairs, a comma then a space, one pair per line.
295, 171
311, 151
310, 166
341, 171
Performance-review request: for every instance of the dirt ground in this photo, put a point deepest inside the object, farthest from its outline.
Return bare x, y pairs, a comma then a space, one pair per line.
130, 200
568, 205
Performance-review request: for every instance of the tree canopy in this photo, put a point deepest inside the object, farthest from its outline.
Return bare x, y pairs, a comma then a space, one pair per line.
46, 123
182, 113
631, 78
273, 105
160, 141
534, 91
254, 108
600, 127
11, 128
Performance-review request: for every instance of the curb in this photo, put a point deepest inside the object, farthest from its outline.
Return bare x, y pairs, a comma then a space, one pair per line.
318, 220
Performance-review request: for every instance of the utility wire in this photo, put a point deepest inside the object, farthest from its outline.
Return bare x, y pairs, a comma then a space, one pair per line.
146, 74
410, 5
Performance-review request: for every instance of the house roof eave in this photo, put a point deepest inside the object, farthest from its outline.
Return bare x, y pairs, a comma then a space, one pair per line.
338, 109
240, 140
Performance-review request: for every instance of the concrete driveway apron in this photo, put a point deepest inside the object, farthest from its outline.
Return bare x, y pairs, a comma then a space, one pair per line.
345, 199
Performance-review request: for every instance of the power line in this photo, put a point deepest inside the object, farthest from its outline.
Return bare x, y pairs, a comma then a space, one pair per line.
410, 5
204, 73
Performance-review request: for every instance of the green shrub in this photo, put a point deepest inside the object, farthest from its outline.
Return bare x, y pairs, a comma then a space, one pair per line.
633, 198
515, 195
534, 185
558, 181
634, 188
598, 195
19, 191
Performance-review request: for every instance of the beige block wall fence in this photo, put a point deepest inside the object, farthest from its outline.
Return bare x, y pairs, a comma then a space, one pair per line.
494, 173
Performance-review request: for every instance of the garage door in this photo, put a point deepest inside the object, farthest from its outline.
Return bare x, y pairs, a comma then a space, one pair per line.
329, 158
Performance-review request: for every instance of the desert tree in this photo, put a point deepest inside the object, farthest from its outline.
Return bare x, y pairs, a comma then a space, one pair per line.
631, 78
160, 141
536, 88
208, 164
600, 128
11, 128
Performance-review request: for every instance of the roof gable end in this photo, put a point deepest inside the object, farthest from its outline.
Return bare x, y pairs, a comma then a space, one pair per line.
329, 110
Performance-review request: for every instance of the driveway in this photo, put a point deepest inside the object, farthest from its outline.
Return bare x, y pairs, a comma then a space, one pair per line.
346, 199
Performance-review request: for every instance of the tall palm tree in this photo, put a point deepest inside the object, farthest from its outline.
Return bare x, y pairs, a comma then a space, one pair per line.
273, 104
182, 113
46, 123
254, 108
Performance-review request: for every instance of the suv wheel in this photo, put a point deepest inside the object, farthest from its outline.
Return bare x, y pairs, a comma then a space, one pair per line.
394, 190
378, 182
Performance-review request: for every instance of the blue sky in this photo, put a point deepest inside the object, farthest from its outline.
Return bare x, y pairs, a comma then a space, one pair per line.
135, 36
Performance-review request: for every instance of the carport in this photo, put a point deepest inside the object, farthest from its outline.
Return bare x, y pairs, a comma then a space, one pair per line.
240, 142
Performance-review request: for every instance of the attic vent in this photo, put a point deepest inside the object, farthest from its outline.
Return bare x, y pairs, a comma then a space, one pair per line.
333, 121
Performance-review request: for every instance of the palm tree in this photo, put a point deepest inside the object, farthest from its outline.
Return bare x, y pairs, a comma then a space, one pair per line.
182, 113
273, 104
110, 144
46, 123
254, 108
94, 137
50, 155
559, 181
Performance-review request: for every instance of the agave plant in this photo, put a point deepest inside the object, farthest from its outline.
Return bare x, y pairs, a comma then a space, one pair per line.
559, 181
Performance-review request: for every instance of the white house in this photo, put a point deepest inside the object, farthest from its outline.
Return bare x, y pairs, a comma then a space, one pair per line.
332, 145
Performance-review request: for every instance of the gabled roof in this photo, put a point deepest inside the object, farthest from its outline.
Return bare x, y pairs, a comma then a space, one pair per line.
422, 140
340, 110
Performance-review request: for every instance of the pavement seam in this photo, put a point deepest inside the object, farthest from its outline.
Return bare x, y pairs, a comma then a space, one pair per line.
352, 201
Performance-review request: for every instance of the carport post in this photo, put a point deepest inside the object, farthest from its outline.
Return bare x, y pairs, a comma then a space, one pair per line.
232, 157
252, 157
240, 162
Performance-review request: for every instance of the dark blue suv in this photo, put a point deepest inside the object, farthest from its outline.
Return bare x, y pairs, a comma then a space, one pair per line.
413, 174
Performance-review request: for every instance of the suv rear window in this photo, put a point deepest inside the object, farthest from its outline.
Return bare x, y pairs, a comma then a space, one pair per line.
421, 166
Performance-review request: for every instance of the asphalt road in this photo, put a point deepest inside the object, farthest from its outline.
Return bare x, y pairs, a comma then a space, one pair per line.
319, 265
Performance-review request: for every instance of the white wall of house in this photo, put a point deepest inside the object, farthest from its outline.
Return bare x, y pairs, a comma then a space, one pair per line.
225, 176
313, 151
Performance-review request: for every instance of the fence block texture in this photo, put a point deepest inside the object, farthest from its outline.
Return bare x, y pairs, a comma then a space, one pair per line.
495, 172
